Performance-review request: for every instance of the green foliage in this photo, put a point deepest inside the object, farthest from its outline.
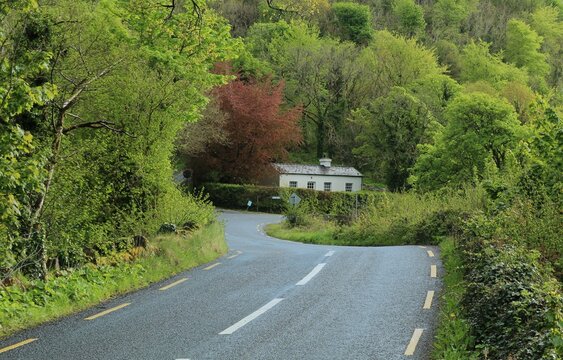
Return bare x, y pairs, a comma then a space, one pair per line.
410, 218
453, 339
389, 135
513, 305
354, 22
318, 74
231, 196
95, 164
479, 129
314, 231
478, 64
436, 92
396, 61
411, 17
22, 58
337, 204
448, 16
523, 49
547, 23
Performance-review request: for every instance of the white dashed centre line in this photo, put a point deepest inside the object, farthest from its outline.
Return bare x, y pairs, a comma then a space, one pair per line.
250, 317
430, 253
330, 253
312, 274
433, 271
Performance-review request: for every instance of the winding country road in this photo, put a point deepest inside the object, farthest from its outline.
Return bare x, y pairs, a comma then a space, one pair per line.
266, 299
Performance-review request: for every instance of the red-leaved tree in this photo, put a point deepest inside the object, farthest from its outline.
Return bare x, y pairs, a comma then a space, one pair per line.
258, 131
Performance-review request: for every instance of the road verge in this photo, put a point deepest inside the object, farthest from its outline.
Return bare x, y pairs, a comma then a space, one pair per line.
31, 303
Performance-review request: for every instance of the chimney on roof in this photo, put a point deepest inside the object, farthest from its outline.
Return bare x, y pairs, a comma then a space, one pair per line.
325, 162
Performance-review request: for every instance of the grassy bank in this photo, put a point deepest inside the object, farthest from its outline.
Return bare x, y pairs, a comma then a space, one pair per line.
317, 232
394, 219
34, 302
453, 339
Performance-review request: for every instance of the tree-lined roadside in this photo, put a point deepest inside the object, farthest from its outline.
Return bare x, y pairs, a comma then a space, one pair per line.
451, 110
93, 95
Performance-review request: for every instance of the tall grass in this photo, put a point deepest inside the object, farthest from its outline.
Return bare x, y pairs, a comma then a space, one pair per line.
316, 231
394, 219
33, 302
412, 218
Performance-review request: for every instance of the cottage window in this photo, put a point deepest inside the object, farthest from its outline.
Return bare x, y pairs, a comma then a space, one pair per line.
311, 185
293, 184
327, 186
349, 187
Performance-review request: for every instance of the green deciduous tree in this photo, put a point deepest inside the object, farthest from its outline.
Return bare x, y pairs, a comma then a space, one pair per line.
448, 17
410, 16
320, 75
391, 130
478, 64
353, 22
546, 21
128, 74
480, 129
394, 61
436, 92
22, 59
523, 49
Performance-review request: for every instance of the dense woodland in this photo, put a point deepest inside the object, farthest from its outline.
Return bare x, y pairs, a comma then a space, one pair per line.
101, 102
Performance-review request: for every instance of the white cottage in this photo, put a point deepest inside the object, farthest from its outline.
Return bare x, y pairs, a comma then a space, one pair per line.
322, 177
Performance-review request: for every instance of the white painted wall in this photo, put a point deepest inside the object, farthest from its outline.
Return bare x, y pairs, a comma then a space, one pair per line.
338, 182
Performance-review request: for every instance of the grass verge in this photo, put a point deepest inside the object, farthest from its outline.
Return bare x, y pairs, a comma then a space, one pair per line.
319, 232
453, 340
34, 302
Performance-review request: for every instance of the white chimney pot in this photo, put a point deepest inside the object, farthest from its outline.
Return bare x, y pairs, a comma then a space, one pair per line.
325, 162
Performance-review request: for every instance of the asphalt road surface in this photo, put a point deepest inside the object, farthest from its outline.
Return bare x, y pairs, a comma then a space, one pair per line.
265, 299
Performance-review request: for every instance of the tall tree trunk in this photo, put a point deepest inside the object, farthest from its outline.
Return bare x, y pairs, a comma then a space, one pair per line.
35, 224
320, 138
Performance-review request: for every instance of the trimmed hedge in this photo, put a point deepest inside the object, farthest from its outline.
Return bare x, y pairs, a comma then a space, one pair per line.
338, 204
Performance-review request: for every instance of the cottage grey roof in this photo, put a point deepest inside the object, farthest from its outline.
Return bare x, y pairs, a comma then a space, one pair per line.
317, 170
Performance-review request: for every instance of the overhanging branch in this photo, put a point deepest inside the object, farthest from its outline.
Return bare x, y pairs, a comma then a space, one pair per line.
100, 124
273, 7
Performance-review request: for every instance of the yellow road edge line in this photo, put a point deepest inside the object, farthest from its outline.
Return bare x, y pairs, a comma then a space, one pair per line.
430, 253
433, 271
411, 348
173, 284
235, 255
212, 266
105, 312
428, 301
21, 343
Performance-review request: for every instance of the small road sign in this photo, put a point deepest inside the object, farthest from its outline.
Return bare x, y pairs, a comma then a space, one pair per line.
294, 199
